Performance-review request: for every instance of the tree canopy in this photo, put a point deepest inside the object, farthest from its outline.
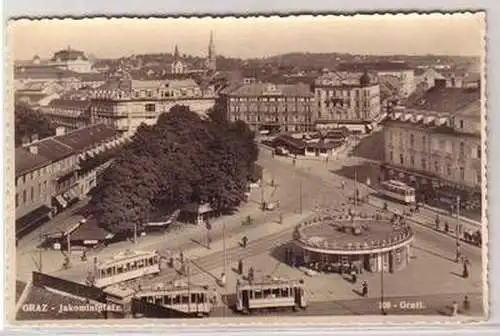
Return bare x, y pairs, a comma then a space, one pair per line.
180, 160
29, 122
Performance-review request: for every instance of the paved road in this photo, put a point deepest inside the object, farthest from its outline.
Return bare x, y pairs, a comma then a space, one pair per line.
401, 305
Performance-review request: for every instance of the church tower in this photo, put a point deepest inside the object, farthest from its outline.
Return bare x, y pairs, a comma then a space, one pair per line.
211, 63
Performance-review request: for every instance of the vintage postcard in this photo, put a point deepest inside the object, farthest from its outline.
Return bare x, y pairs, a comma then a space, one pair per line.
302, 169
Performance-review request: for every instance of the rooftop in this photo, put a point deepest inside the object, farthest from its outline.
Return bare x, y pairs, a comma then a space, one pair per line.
443, 99
69, 55
262, 89
70, 104
344, 233
25, 161
90, 231
84, 138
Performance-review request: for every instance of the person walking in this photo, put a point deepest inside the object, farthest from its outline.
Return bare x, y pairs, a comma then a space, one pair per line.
365, 289
244, 241
466, 304
240, 267
454, 309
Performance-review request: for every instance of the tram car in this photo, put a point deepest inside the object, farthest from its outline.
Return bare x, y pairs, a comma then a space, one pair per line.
197, 301
398, 191
125, 266
270, 294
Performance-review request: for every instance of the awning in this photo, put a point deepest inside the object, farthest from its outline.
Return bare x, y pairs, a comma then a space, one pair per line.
31, 218
61, 201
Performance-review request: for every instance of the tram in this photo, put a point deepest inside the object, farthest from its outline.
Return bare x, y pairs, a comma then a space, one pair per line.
270, 294
125, 266
398, 191
192, 300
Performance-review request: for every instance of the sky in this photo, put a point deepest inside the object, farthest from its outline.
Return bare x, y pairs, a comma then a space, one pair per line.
439, 34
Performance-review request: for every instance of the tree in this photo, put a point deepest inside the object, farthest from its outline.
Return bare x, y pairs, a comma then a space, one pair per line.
29, 122
180, 160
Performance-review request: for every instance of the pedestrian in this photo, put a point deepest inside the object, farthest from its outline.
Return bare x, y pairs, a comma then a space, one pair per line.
342, 185
244, 241
181, 257
353, 276
446, 227
240, 267
84, 256
250, 274
365, 289
437, 221
223, 279
465, 272
466, 304
454, 309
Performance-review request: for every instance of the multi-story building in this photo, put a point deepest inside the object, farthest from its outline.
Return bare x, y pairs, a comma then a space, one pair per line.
272, 107
71, 114
125, 104
53, 172
400, 70
435, 143
72, 60
347, 99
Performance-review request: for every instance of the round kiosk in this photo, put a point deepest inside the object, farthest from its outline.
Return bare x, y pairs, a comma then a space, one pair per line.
341, 243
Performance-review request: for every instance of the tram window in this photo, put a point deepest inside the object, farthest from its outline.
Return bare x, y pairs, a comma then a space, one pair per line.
276, 292
194, 298
119, 269
177, 299
185, 299
284, 292
168, 299
267, 293
202, 298
258, 294
110, 271
102, 273
127, 266
158, 300
150, 299
150, 261
140, 263
133, 265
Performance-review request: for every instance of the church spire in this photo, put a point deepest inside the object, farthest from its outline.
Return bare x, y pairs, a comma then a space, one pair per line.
211, 52
176, 53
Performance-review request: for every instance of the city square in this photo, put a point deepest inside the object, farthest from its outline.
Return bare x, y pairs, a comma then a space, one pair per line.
185, 184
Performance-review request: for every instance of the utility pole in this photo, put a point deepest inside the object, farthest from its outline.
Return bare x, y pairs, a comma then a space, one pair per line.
224, 245
300, 196
262, 183
135, 233
458, 220
355, 189
68, 236
40, 254
382, 308
188, 271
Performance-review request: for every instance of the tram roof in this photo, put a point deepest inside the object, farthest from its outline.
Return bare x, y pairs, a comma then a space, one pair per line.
266, 283
125, 256
171, 289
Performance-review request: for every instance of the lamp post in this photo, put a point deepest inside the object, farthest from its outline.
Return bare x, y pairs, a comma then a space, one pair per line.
458, 220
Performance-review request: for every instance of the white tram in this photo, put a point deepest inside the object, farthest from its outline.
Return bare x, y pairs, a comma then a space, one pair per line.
193, 300
397, 190
125, 266
270, 294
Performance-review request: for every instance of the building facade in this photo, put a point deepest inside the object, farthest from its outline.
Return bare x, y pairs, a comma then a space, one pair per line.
346, 98
399, 70
125, 104
272, 107
435, 144
71, 114
52, 173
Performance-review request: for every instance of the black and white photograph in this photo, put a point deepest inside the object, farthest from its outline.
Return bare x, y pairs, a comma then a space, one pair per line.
248, 169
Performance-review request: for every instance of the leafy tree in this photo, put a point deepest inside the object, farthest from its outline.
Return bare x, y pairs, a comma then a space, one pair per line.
29, 122
181, 159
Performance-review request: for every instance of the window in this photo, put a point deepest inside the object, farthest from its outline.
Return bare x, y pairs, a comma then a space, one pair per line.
436, 166
401, 159
391, 156
424, 140
412, 140
412, 160
462, 173
462, 150
17, 200
424, 164
448, 169
24, 196
461, 124
478, 176
478, 151
150, 107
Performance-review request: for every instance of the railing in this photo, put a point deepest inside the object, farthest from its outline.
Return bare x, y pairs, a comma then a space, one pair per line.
399, 235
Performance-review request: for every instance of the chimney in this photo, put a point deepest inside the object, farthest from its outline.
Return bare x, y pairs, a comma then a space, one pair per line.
60, 130
440, 83
25, 141
34, 149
